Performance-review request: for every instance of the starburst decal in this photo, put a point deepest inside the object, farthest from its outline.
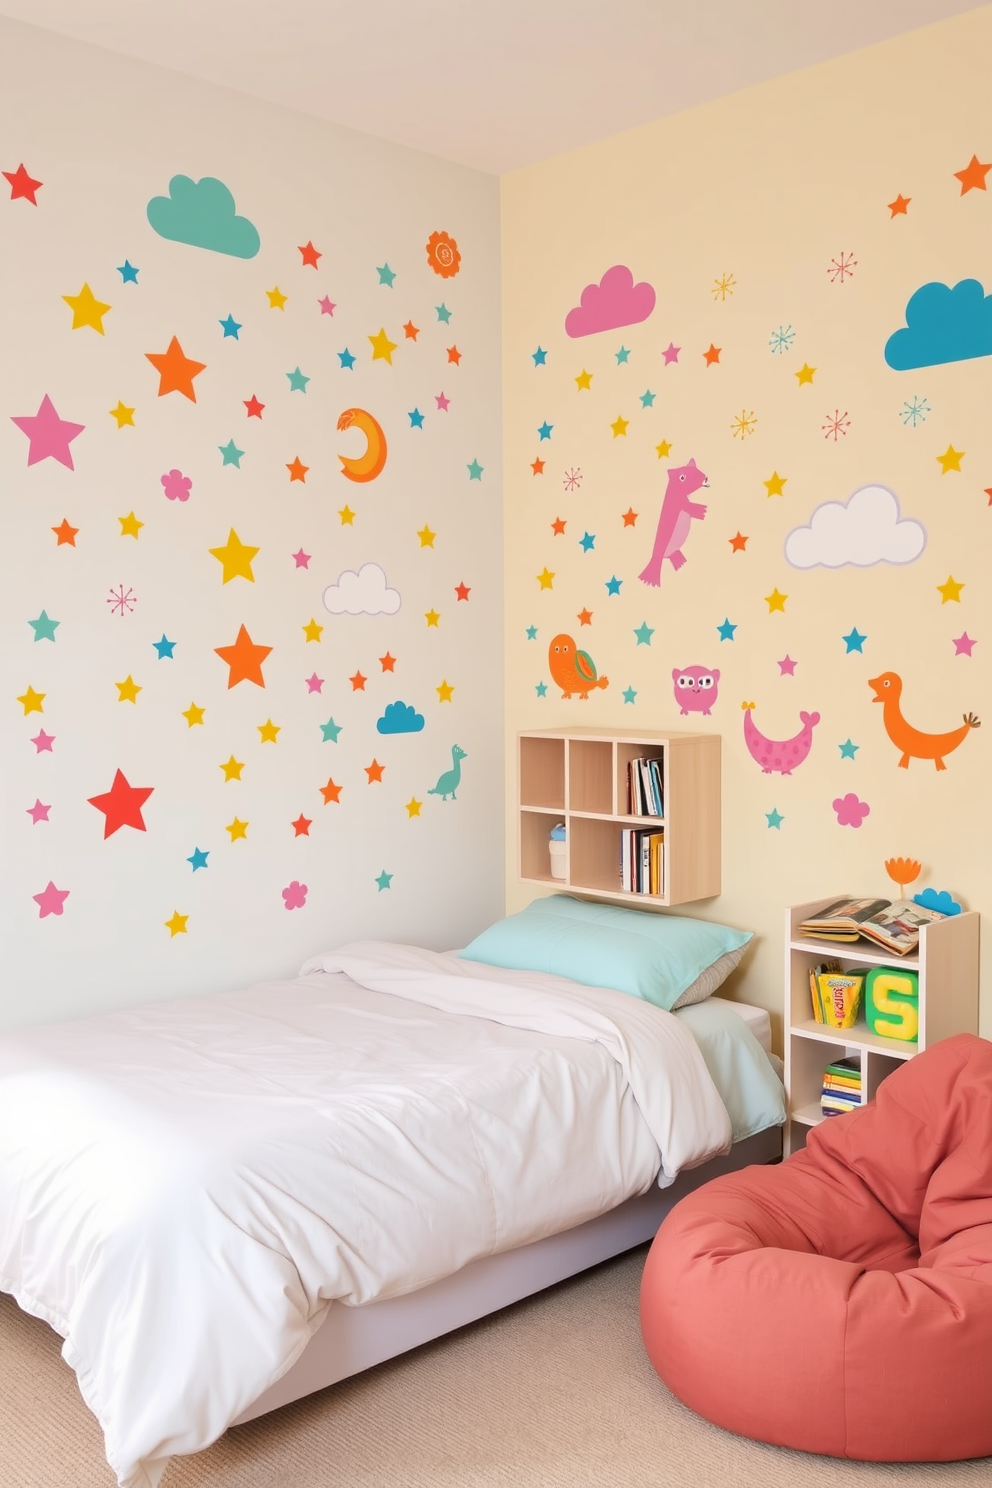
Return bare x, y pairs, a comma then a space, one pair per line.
837, 424
914, 411
573, 479
842, 267
122, 601
781, 340
723, 287
744, 424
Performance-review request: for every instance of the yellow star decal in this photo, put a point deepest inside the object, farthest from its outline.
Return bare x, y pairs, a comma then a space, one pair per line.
546, 579
130, 526
194, 714
950, 590
267, 731
774, 485
584, 380
347, 516
620, 427
177, 925
432, 617
950, 459
444, 692
86, 309
122, 414
775, 601
413, 806
32, 701
664, 449
426, 537
237, 829
235, 558
312, 630
382, 347
232, 770
805, 373
127, 690
277, 299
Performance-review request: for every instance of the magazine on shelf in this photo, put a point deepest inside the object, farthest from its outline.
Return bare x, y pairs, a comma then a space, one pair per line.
892, 924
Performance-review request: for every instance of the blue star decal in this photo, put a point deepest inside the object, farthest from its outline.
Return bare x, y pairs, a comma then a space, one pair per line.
346, 359
416, 418
532, 632
541, 689
545, 430
613, 585
644, 633
540, 357
774, 819
726, 631
384, 880
629, 694
231, 453
443, 313
647, 398
199, 858
297, 382
128, 273
847, 749
587, 541
854, 641
475, 470
386, 275
164, 647
330, 731
622, 355
230, 327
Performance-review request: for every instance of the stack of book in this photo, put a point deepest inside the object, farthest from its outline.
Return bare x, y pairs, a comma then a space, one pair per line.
642, 860
894, 927
841, 1087
644, 790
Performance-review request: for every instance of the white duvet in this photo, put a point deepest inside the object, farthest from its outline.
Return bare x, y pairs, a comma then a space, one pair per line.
187, 1187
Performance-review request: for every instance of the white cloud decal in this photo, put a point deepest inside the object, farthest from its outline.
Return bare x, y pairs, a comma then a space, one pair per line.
363, 593
865, 530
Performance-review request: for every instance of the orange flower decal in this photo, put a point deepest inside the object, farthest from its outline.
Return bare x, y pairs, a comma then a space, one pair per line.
443, 255
903, 871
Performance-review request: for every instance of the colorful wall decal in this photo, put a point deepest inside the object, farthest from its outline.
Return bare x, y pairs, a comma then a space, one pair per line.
903, 871
51, 901
913, 743
614, 302
367, 466
121, 805
202, 213
23, 187
865, 530
450, 780
573, 669
779, 755
49, 436
443, 255
244, 659
176, 485
942, 325
363, 593
850, 810
175, 370
674, 520
696, 689
294, 895
400, 718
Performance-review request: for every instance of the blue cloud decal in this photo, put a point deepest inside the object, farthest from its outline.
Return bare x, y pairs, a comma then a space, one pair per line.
400, 718
202, 213
940, 902
942, 325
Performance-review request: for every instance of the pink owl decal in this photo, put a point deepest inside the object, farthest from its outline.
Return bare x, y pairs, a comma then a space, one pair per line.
696, 689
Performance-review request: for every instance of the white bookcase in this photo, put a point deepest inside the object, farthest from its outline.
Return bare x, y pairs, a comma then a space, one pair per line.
947, 962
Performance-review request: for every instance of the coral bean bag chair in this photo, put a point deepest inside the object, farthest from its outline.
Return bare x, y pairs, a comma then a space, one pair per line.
842, 1302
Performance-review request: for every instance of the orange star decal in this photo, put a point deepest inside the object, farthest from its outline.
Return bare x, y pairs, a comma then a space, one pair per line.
298, 471
454, 355
387, 662
584, 617
244, 659
738, 543
972, 178
310, 255
537, 466
558, 527
175, 370
65, 533
629, 517
713, 355
358, 682
898, 207
410, 331
374, 771
330, 792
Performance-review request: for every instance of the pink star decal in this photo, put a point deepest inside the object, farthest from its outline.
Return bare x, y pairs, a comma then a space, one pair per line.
442, 402
49, 436
671, 353
38, 812
43, 743
50, 900
327, 306
787, 667
301, 559
963, 644
314, 683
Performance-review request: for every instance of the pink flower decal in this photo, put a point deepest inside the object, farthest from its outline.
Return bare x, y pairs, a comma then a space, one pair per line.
295, 895
851, 811
176, 485
615, 301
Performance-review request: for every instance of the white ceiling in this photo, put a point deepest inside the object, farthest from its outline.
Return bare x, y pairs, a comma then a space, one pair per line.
493, 84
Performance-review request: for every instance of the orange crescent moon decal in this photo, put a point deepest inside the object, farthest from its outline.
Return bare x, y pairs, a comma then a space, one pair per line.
366, 467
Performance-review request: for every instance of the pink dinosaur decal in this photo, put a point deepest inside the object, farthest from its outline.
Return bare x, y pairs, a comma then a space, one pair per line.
781, 755
675, 519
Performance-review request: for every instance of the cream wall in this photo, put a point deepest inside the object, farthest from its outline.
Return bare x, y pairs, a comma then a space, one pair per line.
770, 187
104, 135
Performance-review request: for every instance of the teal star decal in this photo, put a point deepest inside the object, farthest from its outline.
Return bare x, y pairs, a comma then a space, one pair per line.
545, 430
647, 398
644, 633
629, 694
774, 819
384, 880
330, 731
128, 273
475, 470
854, 641
44, 628
231, 453
622, 355
847, 749
613, 585
199, 858
231, 327
726, 631
541, 689
587, 541
540, 357
532, 632
297, 382
443, 313
346, 359
386, 275
416, 418
165, 648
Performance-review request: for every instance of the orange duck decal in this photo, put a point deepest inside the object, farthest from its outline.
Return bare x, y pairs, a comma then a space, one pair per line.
913, 743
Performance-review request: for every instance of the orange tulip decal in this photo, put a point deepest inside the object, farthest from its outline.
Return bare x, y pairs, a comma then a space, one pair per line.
365, 467
903, 871
443, 255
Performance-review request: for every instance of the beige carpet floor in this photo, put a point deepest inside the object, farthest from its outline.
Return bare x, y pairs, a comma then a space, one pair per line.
553, 1393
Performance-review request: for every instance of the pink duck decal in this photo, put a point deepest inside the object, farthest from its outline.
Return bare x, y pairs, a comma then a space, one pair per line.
675, 519
782, 755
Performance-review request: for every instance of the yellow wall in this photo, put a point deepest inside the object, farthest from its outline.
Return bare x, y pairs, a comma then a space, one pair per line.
770, 187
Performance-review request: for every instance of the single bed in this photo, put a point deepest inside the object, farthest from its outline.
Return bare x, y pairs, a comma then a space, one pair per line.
188, 1187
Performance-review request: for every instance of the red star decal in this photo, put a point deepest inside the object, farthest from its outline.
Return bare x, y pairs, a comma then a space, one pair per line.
310, 255
298, 471
65, 533
454, 355
330, 792
584, 617
558, 527
898, 207
410, 331
22, 185
988, 492
537, 466
253, 406
463, 591
357, 682
972, 178
121, 805
738, 543
301, 826
387, 662
713, 355
374, 771
244, 659
629, 517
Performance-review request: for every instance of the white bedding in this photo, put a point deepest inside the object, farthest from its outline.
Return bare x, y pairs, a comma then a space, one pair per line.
187, 1187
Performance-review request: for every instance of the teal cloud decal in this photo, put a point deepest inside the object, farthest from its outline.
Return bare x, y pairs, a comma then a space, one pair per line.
942, 325
202, 213
400, 718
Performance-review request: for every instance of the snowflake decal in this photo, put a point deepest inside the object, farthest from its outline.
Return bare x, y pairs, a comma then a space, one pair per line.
837, 424
122, 601
744, 424
782, 339
914, 411
573, 479
842, 267
723, 286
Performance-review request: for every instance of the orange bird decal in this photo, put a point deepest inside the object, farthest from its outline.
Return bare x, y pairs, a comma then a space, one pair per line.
913, 743
572, 669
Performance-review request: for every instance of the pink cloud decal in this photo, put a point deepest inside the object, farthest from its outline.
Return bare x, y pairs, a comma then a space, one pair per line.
615, 301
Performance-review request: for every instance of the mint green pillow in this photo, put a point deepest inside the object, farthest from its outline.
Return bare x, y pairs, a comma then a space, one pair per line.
665, 959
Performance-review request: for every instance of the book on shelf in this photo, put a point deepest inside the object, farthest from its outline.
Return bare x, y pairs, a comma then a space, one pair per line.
645, 796
892, 924
642, 860
841, 1086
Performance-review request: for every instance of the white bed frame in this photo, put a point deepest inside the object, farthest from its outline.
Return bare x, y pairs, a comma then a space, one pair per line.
352, 1339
